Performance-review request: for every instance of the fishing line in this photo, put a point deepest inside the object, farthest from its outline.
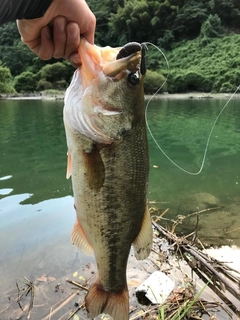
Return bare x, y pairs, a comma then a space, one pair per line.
210, 133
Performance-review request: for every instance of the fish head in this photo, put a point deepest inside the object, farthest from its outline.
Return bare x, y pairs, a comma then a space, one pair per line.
106, 95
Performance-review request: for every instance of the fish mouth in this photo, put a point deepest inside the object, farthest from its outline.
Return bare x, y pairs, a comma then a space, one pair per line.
113, 62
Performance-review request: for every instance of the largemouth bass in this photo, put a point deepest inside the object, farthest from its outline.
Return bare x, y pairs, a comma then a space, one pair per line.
108, 159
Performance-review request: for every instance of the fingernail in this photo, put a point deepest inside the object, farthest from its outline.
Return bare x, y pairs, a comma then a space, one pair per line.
75, 59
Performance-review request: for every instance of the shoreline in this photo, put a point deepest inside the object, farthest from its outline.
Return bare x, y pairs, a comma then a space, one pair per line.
165, 96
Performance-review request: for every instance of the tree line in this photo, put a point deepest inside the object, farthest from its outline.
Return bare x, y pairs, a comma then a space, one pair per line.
199, 38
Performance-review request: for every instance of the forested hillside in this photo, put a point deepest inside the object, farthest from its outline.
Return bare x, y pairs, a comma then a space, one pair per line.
200, 39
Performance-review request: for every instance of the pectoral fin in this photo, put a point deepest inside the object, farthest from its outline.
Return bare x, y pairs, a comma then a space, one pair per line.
79, 239
143, 243
69, 165
94, 169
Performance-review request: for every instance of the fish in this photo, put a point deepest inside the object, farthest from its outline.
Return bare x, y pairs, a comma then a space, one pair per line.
108, 160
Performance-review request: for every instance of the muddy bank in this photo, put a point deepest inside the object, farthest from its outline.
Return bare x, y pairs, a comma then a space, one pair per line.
193, 95
166, 95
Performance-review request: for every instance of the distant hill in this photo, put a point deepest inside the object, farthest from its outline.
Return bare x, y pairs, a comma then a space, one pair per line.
199, 38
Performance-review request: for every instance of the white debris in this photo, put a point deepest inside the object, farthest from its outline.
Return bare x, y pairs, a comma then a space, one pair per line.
157, 287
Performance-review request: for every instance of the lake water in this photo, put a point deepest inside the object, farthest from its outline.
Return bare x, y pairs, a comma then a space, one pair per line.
36, 204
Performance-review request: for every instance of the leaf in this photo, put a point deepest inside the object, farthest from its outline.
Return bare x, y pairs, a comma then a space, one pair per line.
50, 279
43, 278
134, 283
75, 274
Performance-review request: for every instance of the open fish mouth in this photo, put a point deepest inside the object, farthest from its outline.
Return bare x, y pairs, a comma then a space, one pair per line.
113, 62
104, 74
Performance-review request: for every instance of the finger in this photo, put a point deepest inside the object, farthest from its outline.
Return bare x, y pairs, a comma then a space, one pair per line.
75, 60
59, 37
73, 41
44, 49
90, 29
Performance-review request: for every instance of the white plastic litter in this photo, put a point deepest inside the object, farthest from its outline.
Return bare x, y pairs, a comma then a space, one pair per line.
157, 287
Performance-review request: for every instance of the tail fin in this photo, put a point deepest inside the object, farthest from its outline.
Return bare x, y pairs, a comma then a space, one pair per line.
100, 301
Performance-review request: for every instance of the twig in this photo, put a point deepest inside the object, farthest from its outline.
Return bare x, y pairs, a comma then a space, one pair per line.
31, 301
77, 284
161, 215
232, 230
18, 301
80, 307
61, 306
185, 246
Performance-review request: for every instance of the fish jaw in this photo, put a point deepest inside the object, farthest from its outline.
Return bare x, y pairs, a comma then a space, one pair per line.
87, 109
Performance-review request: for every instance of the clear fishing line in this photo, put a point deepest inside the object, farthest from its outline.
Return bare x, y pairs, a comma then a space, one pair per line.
210, 133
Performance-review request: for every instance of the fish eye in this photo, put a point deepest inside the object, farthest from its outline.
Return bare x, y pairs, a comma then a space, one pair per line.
133, 79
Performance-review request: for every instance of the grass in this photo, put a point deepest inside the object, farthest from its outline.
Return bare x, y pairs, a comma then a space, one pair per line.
183, 310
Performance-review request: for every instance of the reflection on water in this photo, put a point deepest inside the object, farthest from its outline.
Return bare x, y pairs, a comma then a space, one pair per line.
35, 239
36, 206
33, 149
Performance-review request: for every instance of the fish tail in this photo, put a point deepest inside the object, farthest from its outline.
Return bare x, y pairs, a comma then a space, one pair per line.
99, 301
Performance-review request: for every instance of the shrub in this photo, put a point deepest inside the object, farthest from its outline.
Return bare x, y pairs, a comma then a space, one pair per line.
212, 27
25, 82
153, 81
6, 81
44, 85
187, 81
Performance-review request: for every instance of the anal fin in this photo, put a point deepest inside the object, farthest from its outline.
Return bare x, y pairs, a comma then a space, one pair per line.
143, 243
79, 239
99, 301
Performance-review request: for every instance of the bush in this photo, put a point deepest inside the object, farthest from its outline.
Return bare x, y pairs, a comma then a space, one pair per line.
25, 82
53, 72
212, 27
188, 81
60, 85
167, 40
44, 85
6, 81
153, 81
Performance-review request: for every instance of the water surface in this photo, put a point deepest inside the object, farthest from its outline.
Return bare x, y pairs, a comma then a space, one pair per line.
36, 204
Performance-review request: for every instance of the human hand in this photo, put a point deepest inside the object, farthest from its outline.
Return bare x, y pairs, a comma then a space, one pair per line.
57, 33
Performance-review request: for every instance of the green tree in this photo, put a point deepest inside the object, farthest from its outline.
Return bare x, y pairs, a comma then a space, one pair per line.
102, 10
189, 19
229, 12
25, 82
6, 81
212, 27
17, 57
8, 34
53, 72
55, 76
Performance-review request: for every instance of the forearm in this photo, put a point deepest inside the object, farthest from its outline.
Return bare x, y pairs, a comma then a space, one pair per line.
19, 9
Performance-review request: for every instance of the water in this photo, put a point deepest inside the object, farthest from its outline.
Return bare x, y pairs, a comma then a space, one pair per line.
36, 204
182, 129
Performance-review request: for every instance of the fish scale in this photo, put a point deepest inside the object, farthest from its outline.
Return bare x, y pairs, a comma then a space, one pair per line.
108, 159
